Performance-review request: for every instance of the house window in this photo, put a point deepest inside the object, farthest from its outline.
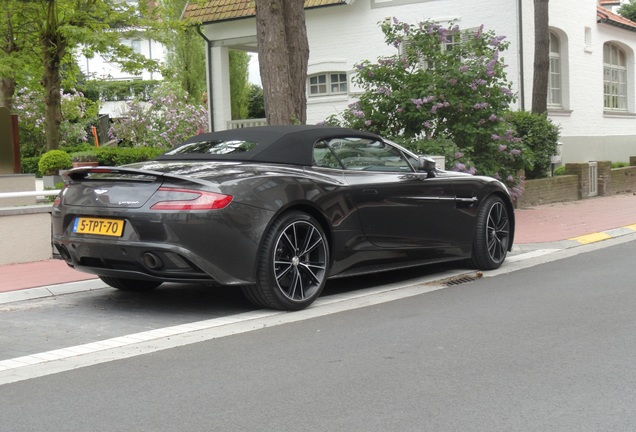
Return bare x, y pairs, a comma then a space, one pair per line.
136, 46
614, 78
555, 95
452, 43
327, 84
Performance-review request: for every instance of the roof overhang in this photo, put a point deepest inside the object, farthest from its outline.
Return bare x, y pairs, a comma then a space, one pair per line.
215, 11
605, 16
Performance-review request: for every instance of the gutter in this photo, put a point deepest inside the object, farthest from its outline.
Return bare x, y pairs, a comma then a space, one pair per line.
208, 55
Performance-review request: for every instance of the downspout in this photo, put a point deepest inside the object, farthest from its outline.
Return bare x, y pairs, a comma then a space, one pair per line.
208, 54
521, 63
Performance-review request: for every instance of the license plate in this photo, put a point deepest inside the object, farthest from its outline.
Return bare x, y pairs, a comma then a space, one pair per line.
99, 226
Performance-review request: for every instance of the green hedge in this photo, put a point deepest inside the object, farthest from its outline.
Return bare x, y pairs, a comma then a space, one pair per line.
106, 156
119, 90
111, 156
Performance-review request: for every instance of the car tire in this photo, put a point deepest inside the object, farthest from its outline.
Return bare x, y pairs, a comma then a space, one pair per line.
293, 264
492, 235
132, 285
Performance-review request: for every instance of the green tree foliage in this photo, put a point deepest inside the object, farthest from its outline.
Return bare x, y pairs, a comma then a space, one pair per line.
18, 64
256, 103
239, 85
185, 61
59, 27
442, 84
628, 10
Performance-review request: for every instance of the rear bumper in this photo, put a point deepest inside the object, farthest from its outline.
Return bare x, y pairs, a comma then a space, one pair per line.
212, 247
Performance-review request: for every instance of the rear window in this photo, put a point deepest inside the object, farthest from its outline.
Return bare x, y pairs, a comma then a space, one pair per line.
216, 147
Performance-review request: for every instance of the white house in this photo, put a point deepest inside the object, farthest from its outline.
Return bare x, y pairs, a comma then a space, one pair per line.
100, 68
592, 78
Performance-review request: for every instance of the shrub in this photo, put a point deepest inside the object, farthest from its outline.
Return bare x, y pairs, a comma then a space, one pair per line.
619, 165
540, 135
30, 165
459, 93
53, 161
166, 120
78, 114
560, 171
114, 156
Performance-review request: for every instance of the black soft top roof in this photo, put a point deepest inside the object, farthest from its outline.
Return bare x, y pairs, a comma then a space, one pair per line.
275, 144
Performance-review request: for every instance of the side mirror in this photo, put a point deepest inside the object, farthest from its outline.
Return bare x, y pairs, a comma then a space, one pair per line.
426, 164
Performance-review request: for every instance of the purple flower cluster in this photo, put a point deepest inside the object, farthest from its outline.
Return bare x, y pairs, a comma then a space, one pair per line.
419, 102
384, 91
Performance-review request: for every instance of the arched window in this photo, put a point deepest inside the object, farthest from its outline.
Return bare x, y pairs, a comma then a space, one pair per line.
614, 78
555, 91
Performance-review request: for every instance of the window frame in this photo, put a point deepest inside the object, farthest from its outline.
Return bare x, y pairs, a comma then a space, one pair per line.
456, 38
555, 74
328, 83
358, 153
615, 78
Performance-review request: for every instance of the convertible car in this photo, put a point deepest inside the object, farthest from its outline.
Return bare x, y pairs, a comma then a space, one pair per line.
277, 211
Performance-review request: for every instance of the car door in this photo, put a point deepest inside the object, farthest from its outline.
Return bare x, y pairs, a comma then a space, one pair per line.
397, 206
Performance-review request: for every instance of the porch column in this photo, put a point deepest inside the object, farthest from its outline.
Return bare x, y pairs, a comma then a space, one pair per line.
221, 99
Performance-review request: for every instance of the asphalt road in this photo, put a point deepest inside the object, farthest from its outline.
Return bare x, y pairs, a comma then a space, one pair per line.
546, 348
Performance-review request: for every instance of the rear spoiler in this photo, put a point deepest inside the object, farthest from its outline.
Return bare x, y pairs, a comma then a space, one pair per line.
110, 173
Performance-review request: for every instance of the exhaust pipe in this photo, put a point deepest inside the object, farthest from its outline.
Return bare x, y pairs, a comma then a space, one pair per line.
152, 261
64, 253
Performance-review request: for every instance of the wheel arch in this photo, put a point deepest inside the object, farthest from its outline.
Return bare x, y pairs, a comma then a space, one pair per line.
307, 208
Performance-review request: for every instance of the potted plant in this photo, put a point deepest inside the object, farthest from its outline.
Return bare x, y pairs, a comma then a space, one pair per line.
50, 165
81, 159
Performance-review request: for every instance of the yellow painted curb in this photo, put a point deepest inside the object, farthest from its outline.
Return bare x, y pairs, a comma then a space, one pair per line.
631, 227
592, 238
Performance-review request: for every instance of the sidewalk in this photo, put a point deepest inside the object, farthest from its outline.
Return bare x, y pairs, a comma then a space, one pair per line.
575, 222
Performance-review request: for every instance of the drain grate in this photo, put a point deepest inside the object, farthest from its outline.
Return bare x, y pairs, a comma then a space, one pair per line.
458, 280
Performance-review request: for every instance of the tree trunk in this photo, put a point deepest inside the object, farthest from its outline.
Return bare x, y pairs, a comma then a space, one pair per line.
541, 57
7, 90
283, 53
9, 47
53, 49
298, 48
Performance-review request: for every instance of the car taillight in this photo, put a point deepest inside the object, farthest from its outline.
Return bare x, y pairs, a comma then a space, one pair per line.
58, 199
186, 199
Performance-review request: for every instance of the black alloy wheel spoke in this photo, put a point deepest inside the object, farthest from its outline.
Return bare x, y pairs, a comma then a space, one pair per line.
313, 276
297, 281
300, 260
287, 266
497, 231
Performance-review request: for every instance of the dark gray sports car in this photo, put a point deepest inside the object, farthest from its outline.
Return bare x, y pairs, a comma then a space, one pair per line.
277, 211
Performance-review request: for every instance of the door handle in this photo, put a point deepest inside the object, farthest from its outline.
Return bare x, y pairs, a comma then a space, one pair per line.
370, 191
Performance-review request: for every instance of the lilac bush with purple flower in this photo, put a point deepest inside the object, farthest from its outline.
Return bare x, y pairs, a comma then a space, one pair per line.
164, 121
78, 114
458, 94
